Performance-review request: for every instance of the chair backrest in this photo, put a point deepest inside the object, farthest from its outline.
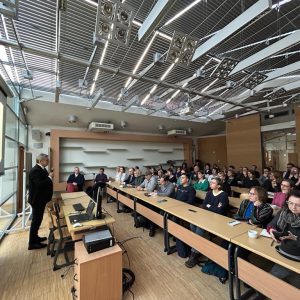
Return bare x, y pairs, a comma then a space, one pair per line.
244, 196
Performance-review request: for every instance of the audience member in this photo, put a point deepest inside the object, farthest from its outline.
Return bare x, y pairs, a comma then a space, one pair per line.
287, 173
255, 210
166, 188
130, 178
185, 192
250, 180
264, 176
202, 183
75, 180
280, 197
272, 184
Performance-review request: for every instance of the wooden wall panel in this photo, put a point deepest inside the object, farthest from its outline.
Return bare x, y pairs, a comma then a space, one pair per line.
243, 139
213, 150
58, 135
297, 119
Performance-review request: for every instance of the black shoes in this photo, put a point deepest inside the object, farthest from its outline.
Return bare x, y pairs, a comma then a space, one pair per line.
36, 246
152, 232
42, 239
192, 261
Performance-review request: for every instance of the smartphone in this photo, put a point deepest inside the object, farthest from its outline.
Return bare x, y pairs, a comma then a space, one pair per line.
233, 223
192, 210
162, 200
147, 195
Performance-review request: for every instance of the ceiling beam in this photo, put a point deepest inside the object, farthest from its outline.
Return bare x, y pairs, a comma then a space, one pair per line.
277, 47
154, 17
111, 70
252, 13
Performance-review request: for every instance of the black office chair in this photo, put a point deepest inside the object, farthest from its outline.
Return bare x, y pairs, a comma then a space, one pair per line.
64, 242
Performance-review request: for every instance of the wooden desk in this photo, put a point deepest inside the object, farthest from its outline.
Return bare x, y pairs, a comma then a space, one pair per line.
209, 221
67, 208
259, 279
240, 190
201, 194
98, 275
74, 195
235, 202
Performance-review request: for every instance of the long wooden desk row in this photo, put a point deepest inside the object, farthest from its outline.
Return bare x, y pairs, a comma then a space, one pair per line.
216, 224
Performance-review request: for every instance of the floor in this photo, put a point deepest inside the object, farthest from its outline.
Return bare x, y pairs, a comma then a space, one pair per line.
28, 275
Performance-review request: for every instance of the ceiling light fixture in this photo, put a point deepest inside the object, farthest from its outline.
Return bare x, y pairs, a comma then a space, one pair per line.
224, 68
275, 94
113, 22
182, 48
254, 79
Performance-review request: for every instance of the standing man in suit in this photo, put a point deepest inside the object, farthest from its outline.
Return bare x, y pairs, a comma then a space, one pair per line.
40, 192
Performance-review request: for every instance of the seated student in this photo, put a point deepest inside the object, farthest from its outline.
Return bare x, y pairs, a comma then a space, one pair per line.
214, 174
194, 173
121, 175
202, 183
286, 226
149, 184
138, 178
185, 192
178, 172
207, 169
264, 176
272, 184
172, 177
100, 179
166, 188
254, 169
280, 197
294, 175
231, 178
75, 181
216, 201
250, 180
225, 185
255, 210
130, 178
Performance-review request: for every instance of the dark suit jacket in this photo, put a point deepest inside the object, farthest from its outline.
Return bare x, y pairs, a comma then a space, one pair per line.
40, 186
79, 180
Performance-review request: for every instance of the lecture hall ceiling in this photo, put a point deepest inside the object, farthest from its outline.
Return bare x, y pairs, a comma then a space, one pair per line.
57, 47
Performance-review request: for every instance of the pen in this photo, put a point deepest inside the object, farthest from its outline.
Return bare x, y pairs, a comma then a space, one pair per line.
272, 243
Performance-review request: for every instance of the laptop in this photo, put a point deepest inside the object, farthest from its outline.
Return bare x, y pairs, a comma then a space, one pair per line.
84, 217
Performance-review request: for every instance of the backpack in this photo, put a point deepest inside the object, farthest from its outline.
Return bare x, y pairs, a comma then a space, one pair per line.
211, 268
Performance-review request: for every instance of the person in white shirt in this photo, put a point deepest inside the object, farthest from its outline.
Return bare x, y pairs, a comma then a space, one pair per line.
121, 176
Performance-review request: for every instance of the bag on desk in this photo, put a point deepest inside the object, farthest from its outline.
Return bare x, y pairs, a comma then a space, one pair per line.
71, 188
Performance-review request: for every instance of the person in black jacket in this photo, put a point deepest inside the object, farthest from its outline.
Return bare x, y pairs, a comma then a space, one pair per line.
216, 201
40, 192
77, 179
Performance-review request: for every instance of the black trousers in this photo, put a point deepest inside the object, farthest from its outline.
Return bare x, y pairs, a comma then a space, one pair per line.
37, 218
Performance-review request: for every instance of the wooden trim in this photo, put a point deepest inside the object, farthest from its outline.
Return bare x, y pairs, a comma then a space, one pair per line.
150, 214
270, 286
204, 246
111, 192
57, 135
125, 200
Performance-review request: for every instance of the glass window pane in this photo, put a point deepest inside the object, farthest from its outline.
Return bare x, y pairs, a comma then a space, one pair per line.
11, 126
8, 184
11, 153
7, 213
22, 133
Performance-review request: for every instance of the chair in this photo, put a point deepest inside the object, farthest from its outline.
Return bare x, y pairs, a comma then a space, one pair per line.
64, 242
244, 196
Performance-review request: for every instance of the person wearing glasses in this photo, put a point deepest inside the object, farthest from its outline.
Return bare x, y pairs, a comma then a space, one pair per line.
255, 210
284, 228
280, 197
